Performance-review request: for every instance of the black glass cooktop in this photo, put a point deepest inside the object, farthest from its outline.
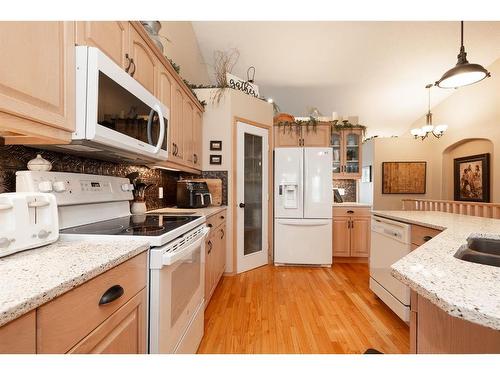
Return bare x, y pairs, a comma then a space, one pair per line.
135, 225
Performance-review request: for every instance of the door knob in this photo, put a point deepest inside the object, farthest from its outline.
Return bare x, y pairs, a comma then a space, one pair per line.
242, 205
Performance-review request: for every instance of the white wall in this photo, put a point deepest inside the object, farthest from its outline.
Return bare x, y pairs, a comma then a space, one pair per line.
184, 50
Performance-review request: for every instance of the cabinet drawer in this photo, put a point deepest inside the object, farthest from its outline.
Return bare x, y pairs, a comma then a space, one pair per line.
217, 219
351, 211
67, 319
420, 235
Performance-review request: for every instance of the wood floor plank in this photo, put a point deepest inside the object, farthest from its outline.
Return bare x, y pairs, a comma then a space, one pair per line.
301, 310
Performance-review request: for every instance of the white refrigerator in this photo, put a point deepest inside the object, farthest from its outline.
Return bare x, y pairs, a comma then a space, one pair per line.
303, 195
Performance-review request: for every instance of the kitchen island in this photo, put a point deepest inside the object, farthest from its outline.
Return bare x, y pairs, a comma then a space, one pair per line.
455, 303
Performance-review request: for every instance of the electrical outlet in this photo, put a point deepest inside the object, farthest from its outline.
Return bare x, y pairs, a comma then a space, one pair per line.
160, 193
341, 191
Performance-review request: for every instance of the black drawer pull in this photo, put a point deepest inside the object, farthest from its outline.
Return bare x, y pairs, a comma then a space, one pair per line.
209, 225
350, 211
209, 247
222, 217
113, 293
427, 238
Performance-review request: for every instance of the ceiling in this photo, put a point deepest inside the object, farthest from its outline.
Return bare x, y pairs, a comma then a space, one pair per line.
375, 70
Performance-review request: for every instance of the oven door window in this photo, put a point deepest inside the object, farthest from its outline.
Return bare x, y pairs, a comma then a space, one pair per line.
121, 111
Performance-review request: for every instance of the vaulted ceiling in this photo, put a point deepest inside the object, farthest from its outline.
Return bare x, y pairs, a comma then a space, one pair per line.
376, 70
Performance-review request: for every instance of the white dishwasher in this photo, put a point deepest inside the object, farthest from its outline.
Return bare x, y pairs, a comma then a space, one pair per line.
390, 241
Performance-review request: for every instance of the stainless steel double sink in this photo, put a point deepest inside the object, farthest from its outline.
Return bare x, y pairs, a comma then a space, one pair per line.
480, 250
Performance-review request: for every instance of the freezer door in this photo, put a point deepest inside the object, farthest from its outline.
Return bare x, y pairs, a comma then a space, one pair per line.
318, 188
288, 182
303, 241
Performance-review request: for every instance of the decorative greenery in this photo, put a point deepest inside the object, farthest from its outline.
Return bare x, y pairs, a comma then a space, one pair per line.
313, 122
337, 126
176, 67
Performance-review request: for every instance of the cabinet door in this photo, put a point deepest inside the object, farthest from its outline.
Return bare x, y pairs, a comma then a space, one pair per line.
176, 131
286, 137
37, 76
318, 136
360, 237
221, 252
164, 86
19, 336
341, 237
197, 139
187, 120
124, 332
144, 62
352, 153
209, 255
111, 37
337, 148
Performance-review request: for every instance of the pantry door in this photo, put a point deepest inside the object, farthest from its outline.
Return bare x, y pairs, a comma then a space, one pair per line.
252, 196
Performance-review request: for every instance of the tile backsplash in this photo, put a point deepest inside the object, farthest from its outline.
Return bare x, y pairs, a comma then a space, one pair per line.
350, 189
15, 158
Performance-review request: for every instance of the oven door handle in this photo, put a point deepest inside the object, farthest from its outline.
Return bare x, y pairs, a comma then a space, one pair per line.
170, 258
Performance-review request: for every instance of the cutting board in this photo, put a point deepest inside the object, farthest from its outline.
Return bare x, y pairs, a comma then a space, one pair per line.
215, 188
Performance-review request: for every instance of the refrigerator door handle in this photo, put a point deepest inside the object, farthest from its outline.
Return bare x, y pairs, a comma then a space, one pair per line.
303, 223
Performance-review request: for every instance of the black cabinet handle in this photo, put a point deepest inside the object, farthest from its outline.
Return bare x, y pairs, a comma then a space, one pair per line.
427, 238
127, 58
242, 205
222, 234
195, 158
132, 64
350, 211
209, 225
209, 243
222, 217
113, 293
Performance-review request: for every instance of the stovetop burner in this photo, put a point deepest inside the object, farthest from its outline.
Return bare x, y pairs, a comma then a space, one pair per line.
134, 225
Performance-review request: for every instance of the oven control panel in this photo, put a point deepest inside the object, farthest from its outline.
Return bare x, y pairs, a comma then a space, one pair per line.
75, 188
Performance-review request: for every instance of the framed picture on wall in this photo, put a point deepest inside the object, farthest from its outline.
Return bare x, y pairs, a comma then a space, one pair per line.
215, 145
471, 180
216, 159
404, 177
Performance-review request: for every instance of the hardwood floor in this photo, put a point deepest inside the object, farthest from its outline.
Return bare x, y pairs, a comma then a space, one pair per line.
301, 310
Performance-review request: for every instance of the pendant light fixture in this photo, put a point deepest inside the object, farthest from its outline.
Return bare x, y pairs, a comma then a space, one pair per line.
464, 73
437, 131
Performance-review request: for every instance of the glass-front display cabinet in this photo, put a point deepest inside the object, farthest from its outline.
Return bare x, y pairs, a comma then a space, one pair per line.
346, 147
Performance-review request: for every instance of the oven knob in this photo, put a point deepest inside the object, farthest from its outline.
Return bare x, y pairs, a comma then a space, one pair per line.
5, 242
43, 234
45, 186
59, 186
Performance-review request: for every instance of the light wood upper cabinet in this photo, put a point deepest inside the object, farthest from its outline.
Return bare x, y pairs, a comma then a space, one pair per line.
286, 137
347, 153
164, 87
197, 139
111, 37
19, 336
143, 67
177, 129
187, 119
37, 82
318, 136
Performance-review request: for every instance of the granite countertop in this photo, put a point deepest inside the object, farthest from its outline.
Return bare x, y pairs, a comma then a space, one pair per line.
33, 277
351, 204
463, 289
207, 211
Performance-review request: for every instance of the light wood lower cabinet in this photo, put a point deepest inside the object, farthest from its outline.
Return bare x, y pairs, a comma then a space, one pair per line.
215, 254
351, 232
37, 103
19, 336
433, 331
123, 332
107, 314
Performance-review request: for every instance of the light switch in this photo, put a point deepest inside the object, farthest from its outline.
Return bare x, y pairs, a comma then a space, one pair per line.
160, 193
341, 191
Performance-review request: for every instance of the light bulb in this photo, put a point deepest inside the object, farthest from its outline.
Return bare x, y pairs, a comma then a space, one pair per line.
427, 128
270, 100
415, 132
440, 129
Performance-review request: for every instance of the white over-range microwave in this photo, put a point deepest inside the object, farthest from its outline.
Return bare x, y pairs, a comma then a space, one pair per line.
116, 117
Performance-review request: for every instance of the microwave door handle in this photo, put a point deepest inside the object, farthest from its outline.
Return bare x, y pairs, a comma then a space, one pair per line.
171, 258
157, 108
150, 124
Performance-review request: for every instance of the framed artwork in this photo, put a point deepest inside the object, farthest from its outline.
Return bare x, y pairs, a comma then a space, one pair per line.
366, 174
216, 159
215, 145
472, 178
404, 177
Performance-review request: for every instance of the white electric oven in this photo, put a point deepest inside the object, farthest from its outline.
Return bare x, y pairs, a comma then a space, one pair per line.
115, 115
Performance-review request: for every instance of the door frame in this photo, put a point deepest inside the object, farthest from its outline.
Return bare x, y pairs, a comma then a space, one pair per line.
234, 192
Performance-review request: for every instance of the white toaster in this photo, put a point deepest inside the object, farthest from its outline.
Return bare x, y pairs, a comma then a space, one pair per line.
27, 220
